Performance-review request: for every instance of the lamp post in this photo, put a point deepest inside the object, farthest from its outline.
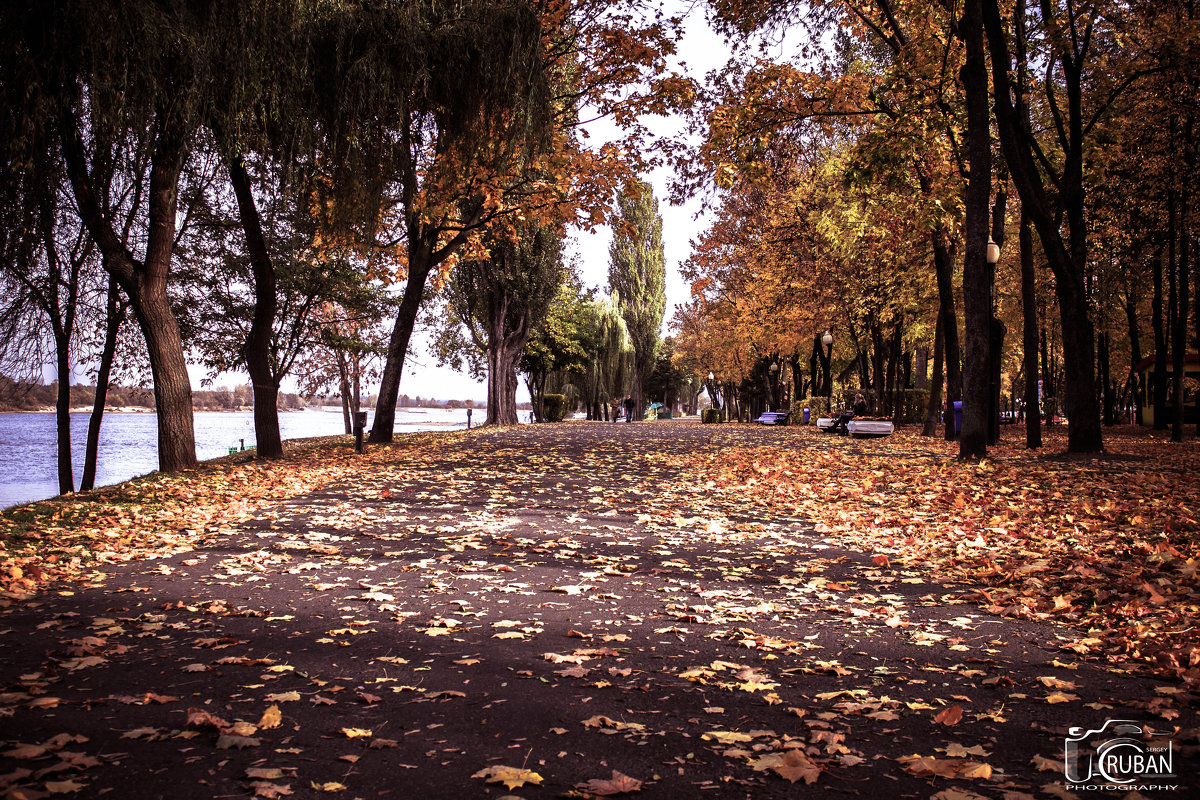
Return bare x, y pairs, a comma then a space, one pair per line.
774, 377
712, 395
827, 340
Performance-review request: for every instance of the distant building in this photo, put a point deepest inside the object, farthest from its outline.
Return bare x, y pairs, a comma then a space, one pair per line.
1147, 368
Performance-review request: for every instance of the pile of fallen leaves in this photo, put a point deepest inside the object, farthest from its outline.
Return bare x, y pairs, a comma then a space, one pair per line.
1105, 544
162, 514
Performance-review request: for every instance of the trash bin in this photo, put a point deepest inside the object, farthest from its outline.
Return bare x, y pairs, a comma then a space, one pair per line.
806, 415
957, 418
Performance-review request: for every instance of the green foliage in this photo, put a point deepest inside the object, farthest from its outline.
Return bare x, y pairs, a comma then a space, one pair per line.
710, 416
554, 407
912, 405
818, 407
637, 274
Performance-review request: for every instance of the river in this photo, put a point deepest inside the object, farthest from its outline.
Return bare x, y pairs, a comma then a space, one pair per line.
129, 442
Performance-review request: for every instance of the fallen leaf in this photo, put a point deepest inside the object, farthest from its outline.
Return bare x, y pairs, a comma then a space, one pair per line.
511, 777
619, 783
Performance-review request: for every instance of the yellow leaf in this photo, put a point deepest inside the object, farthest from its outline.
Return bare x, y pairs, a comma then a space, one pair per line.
356, 733
511, 777
283, 697
271, 718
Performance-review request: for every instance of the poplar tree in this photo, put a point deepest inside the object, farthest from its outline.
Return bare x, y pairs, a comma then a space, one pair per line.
637, 273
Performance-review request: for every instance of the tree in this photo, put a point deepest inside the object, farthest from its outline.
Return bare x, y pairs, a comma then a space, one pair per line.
1087, 69
637, 274
499, 300
554, 346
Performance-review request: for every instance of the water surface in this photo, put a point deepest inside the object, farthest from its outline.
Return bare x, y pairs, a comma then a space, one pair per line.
129, 442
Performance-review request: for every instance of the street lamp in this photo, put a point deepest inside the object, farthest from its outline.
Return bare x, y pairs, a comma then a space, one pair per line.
993, 252
827, 340
712, 395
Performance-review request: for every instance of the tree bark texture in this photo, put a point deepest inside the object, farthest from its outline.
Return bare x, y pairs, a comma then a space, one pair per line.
145, 284
1029, 318
933, 409
257, 349
1067, 258
114, 316
420, 262
977, 290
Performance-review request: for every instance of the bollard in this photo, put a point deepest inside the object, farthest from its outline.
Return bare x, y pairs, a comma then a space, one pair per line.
360, 423
468, 419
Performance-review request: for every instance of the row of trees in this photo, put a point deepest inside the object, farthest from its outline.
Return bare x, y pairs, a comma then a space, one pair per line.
857, 187
522, 309
257, 184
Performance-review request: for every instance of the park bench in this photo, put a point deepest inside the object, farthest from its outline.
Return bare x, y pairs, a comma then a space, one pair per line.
865, 428
773, 418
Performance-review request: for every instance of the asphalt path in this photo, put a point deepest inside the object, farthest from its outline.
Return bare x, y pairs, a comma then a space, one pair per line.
546, 611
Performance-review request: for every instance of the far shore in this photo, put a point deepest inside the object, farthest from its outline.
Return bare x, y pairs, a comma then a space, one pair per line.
238, 410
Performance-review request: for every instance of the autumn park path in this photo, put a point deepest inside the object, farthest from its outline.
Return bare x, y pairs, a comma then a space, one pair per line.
577, 610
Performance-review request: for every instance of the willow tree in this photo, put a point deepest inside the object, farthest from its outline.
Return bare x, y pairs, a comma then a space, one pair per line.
99, 85
460, 134
637, 273
499, 299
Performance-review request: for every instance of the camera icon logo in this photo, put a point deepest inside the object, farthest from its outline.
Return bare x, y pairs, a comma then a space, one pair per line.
1117, 754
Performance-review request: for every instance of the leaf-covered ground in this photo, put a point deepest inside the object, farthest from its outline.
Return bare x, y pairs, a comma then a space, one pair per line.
653, 611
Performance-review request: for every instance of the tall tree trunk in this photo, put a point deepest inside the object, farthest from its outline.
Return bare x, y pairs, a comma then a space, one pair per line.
1104, 373
977, 290
420, 262
1029, 317
62, 417
1180, 322
997, 328
145, 284
878, 358
1138, 392
172, 386
114, 316
1159, 375
1066, 258
934, 409
257, 349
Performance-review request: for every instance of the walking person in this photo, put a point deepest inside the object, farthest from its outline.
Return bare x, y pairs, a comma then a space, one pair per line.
629, 408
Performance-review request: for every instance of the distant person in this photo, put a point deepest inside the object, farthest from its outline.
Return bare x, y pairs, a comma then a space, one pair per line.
616, 406
629, 408
860, 405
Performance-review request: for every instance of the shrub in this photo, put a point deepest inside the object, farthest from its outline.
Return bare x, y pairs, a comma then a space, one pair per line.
711, 415
817, 407
554, 407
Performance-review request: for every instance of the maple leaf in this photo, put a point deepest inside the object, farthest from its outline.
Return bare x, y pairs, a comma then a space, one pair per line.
283, 697
228, 741
951, 715
64, 787
511, 777
201, 718
793, 765
329, 786
271, 718
619, 783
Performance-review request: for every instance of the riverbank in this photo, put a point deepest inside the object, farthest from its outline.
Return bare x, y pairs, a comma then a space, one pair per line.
662, 608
